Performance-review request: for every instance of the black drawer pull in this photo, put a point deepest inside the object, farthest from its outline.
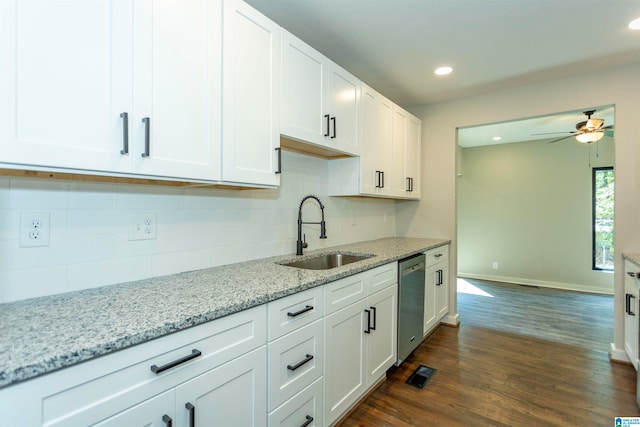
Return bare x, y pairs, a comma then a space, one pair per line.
438, 255
326, 116
631, 273
309, 421
368, 330
279, 150
299, 312
166, 419
125, 133
158, 369
147, 142
373, 309
333, 120
192, 413
307, 358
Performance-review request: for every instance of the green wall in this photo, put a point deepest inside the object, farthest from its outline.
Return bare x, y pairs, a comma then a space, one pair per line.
527, 206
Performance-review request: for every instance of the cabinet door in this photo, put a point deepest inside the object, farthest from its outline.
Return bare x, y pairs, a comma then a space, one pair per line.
65, 78
631, 322
442, 289
398, 181
376, 138
382, 341
430, 299
155, 412
177, 85
230, 395
343, 99
251, 106
412, 156
345, 360
303, 85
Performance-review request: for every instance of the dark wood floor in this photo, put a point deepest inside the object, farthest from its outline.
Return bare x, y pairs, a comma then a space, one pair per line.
516, 360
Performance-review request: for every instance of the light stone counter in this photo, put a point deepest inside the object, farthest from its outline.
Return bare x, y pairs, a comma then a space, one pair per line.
634, 258
41, 335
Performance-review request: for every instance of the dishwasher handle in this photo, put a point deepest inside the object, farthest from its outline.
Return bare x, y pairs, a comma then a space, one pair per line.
416, 267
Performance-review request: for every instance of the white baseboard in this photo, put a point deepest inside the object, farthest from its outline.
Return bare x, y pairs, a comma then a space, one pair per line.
618, 354
541, 283
451, 320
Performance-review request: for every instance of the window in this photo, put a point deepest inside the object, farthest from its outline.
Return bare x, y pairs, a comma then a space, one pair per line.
602, 218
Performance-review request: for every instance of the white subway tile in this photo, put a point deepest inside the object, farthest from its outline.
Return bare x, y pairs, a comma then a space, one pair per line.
108, 272
35, 194
178, 262
23, 284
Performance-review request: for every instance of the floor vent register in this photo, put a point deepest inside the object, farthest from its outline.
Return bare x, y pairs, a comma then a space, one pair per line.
421, 376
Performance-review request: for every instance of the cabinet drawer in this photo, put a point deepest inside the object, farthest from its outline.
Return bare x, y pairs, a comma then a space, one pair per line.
295, 361
382, 277
437, 255
303, 407
631, 272
293, 312
344, 292
126, 376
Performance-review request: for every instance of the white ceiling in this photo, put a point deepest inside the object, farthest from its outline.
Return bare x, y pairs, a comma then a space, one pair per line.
395, 45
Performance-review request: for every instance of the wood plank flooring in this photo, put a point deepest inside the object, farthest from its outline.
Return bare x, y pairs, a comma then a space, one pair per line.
522, 357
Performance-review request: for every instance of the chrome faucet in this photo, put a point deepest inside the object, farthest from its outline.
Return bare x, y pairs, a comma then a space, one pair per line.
302, 243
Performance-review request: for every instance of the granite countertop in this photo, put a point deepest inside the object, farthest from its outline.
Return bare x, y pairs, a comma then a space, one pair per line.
44, 334
634, 258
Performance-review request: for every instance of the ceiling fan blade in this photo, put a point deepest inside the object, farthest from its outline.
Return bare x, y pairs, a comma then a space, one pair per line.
608, 132
551, 133
560, 139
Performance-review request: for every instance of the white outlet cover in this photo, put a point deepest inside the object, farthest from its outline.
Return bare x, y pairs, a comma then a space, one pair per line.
35, 229
143, 226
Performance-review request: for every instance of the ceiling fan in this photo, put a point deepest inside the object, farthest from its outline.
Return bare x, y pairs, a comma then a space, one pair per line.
588, 131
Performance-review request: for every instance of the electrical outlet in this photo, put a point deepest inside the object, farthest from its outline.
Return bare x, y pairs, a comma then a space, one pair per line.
143, 226
495, 265
34, 229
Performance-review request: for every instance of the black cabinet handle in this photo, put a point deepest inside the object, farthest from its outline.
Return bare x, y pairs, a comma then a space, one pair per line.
382, 174
279, 150
373, 328
307, 358
326, 116
626, 303
125, 133
631, 273
438, 277
377, 179
166, 419
301, 311
309, 421
147, 142
631, 313
438, 255
411, 181
158, 369
368, 330
408, 184
192, 413
333, 119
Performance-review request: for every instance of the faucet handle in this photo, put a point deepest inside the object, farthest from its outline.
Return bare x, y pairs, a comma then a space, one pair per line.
304, 241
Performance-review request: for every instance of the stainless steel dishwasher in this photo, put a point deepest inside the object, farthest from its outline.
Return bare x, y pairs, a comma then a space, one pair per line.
411, 277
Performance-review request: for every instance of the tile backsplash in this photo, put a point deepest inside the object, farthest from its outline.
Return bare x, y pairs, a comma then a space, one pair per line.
196, 228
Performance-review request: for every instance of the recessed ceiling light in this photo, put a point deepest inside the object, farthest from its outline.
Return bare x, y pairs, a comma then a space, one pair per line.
497, 138
443, 71
635, 24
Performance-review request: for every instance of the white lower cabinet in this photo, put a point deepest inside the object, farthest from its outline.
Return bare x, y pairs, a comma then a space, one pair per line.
296, 359
360, 339
230, 395
218, 367
632, 306
436, 293
155, 412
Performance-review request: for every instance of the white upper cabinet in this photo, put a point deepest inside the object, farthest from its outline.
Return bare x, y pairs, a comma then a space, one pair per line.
177, 75
389, 163
251, 96
65, 79
377, 148
320, 100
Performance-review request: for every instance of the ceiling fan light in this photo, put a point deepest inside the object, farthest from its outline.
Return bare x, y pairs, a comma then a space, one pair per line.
593, 124
589, 137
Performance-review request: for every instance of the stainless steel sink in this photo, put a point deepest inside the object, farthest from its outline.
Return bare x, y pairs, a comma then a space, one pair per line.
327, 261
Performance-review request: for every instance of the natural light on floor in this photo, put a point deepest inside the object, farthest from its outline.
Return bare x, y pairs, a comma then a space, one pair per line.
468, 288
